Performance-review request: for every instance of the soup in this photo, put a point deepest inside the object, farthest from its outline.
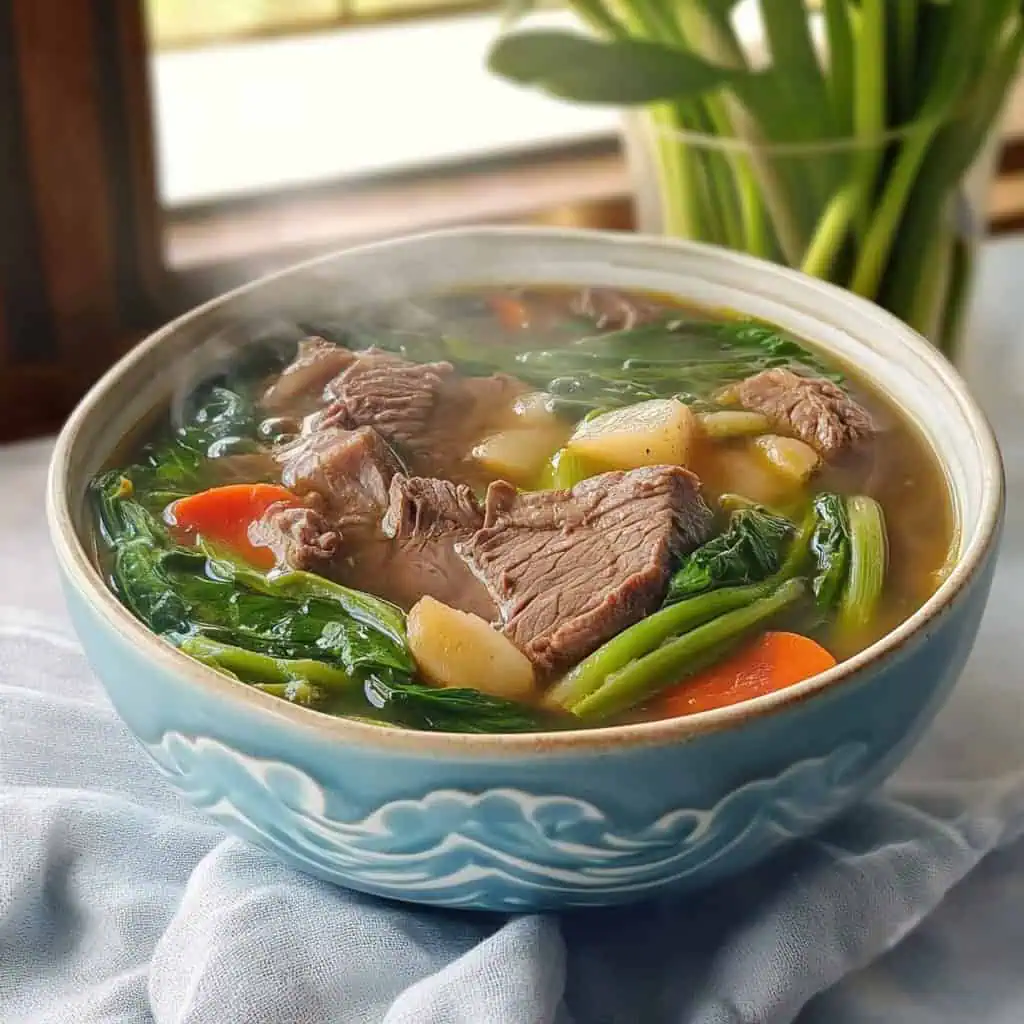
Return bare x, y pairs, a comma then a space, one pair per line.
526, 509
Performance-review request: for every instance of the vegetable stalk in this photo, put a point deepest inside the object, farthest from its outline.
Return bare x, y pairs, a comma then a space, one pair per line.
672, 662
841, 159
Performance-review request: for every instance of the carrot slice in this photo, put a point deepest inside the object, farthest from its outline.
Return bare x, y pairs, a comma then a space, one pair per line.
223, 515
772, 662
511, 313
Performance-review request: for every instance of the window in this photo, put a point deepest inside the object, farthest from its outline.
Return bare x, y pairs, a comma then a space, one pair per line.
261, 107
186, 23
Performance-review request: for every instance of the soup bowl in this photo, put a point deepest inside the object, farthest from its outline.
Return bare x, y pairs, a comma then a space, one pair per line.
548, 820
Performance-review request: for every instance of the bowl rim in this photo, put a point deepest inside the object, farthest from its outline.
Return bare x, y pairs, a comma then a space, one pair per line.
83, 575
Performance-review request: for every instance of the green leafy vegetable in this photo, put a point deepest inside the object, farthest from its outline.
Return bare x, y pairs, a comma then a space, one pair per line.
265, 670
294, 635
830, 547
677, 357
750, 550
217, 422
455, 710
869, 557
294, 584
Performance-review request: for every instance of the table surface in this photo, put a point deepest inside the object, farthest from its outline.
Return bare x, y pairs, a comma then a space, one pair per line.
974, 942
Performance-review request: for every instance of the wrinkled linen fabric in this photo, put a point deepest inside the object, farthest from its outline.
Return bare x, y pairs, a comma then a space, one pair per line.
119, 903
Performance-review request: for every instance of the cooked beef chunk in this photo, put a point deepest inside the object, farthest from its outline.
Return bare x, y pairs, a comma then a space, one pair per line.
300, 538
427, 409
399, 399
813, 409
423, 508
404, 571
414, 553
350, 469
425, 519
300, 387
570, 569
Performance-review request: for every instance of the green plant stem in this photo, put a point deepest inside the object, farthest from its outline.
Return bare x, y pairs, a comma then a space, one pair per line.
832, 231
763, 190
927, 309
951, 76
906, 17
869, 557
646, 636
841, 69
677, 659
869, 107
252, 667
787, 27
950, 158
957, 299
713, 38
673, 165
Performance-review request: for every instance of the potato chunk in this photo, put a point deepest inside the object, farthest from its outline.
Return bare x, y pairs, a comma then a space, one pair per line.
794, 459
655, 433
519, 455
456, 649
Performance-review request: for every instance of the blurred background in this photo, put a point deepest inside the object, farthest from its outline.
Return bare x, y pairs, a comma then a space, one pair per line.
154, 153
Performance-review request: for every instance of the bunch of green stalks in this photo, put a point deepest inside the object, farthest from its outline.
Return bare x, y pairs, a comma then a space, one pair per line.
843, 154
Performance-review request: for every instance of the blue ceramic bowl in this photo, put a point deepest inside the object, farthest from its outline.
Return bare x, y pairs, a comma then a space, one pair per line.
538, 821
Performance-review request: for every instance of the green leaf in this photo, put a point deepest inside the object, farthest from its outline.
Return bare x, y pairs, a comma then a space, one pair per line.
750, 551
627, 72
437, 709
830, 545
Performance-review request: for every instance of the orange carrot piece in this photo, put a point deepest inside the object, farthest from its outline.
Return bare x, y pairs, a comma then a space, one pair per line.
511, 313
772, 662
223, 515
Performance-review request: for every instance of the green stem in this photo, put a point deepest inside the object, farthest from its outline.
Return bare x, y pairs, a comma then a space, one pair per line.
952, 155
869, 557
841, 68
957, 299
647, 635
869, 110
714, 39
252, 667
927, 310
951, 77
906, 17
787, 27
678, 659
743, 113
832, 231
680, 212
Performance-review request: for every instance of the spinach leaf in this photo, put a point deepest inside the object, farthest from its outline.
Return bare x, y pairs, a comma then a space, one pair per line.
364, 608
830, 546
216, 421
674, 357
749, 551
438, 709
180, 592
